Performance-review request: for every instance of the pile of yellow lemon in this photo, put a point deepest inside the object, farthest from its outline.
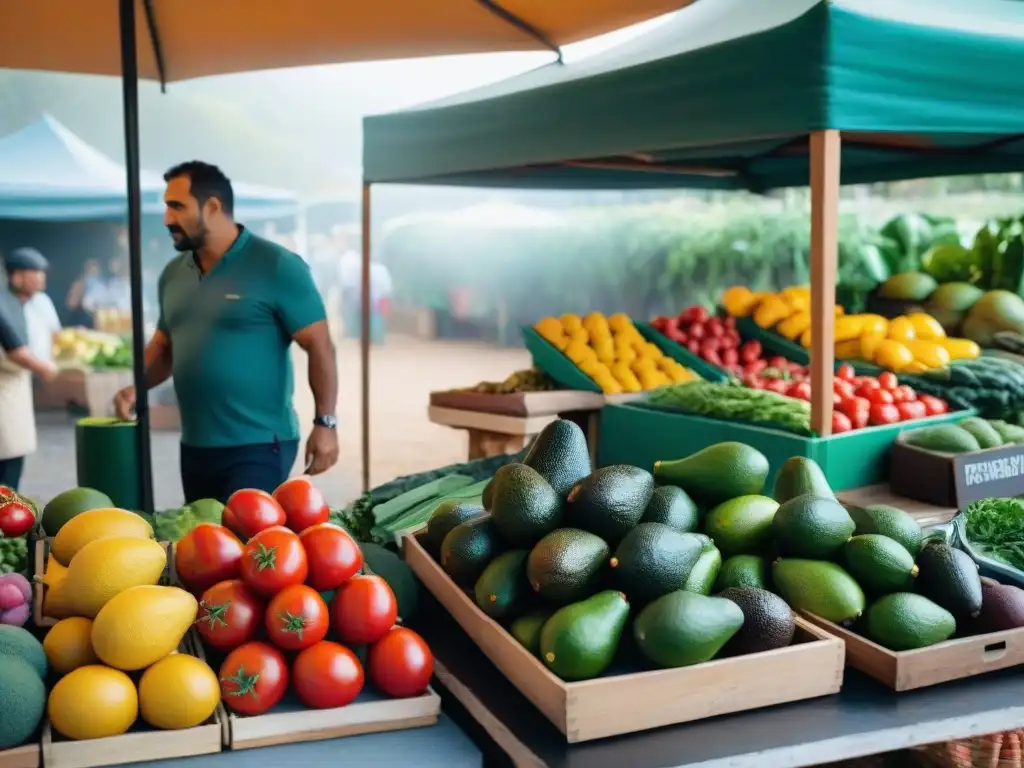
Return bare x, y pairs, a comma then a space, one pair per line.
611, 351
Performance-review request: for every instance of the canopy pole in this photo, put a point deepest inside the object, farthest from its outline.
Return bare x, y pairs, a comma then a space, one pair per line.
365, 316
825, 153
130, 103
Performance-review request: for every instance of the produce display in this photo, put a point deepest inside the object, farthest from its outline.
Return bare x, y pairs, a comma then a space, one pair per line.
528, 380
996, 528
992, 385
784, 403
95, 349
18, 515
967, 436
612, 352
912, 343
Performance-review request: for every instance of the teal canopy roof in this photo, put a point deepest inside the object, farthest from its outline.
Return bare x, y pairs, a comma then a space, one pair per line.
47, 173
724, 95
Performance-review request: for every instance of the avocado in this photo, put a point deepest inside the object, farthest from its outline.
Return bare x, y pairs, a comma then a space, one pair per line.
502, 589
742, 526
446, 515
904, 621
944, 438
717, 473
468, 548
524, 507
879, 564
683, 628
704, 572
566, 565
560, 455
393, 569
888, 521
743, 571
818, 587
812, 527
672, 506
950, 578
986, 435
800, 476
908, 286
526, 629
767, 621
1002, 607
654, 560
579, 641
611, 501
1010, 433
487, 497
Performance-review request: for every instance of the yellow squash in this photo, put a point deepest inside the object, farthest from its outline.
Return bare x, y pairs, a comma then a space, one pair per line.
142, 625
177, 692
68, 645
902, 330
794, 326
97, 524
926, 327
740, 301
930, 353
105, 568
93, 702
849, 327
961, 349
893, 355
771, 311
848, 350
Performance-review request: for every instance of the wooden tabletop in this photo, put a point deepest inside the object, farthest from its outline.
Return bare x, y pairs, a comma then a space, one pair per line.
925, 514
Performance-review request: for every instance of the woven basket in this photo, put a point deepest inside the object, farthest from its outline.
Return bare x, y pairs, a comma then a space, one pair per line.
996, 750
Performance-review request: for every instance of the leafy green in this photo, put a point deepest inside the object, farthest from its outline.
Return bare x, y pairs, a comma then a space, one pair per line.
173, 524
997, 525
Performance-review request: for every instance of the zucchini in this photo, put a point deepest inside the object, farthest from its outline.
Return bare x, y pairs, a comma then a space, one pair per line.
389, 510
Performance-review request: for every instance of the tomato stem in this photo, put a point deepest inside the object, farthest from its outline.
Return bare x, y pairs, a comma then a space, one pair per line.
246, 683
215, 614
265, 557
293, 623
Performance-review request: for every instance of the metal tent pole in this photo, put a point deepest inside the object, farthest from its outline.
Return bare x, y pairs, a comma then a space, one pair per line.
130, 101
365, 315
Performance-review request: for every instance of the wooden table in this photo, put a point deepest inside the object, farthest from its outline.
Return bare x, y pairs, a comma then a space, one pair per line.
925, 514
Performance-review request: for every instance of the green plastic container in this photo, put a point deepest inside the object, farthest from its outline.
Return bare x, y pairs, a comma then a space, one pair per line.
681, 354
642, 436
107, 460
551, 361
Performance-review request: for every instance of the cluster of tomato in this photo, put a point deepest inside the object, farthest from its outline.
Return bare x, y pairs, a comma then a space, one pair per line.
275, 579
16, 517
714, 339
862, 401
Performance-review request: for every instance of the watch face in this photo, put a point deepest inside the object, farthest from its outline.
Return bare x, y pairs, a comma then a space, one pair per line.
326, 421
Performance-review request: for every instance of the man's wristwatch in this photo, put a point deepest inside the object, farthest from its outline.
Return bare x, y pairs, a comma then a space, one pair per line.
329, 422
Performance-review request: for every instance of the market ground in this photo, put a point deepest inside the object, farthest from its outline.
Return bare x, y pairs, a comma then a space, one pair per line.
403, 373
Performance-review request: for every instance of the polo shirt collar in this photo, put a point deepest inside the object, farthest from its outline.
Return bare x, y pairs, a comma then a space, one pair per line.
244, 236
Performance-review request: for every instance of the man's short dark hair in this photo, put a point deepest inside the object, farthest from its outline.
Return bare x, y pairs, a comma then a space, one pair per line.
206, 181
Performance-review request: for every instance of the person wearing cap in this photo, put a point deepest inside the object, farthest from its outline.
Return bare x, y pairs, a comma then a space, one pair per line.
26, 275
41, 317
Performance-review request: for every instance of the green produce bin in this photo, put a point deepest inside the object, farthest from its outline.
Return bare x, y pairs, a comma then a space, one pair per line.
640, 436
548, 358
107, 460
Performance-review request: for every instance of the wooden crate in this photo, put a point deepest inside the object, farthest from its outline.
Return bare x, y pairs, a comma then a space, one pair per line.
140, 743
25, 756
519, 403
939, 663
614, 705
40, 555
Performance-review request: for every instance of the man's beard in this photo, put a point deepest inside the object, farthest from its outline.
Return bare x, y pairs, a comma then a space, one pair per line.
186, 242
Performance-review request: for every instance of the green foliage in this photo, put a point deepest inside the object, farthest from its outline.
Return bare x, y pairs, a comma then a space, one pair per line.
642, 260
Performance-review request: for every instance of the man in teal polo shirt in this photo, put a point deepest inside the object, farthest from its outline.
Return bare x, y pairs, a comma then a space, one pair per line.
230, 306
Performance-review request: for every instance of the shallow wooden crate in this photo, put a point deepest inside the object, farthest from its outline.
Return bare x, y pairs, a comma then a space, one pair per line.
39, 556
519, 403
141, 743
939, 663
637, 701
289, 722
25, 756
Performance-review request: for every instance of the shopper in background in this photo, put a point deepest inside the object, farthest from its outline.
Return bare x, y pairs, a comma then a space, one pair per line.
26, 273
230, 306
85, 294
41, 319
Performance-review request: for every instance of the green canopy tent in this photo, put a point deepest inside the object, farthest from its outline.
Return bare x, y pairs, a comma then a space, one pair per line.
731, 94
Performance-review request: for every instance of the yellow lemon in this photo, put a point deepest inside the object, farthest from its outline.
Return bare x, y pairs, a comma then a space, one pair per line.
177, 692
571, 322
619, 322
93, 702
68, 645
94, 525
142, 625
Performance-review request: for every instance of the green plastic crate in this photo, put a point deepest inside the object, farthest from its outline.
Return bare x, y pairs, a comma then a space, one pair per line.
642, 436
550, 360
681, 354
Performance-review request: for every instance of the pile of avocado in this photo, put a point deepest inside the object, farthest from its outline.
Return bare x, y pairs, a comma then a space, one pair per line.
971, 434
568, 558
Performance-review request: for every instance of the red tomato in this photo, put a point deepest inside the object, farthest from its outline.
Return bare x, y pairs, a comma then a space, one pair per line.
695, 314
697, 331
860, 417
888, 381
207, 554
274, 559
854, 404
297, 618
846, 372
679, 337
400, 663
253, 678
866, 386
333, 556
912, 410
363, 609
715, 328
694, 346
16, 519
730, 342
840, 423
801, 390
303, 503
710, 356
884, 413
842, 388
881, 397
934, 405
659, 323
777, 385
229, 615
250, 511
327, 675
730, 322
751, 351
904, 393
751, 380
730, 357
755, 366
778, 361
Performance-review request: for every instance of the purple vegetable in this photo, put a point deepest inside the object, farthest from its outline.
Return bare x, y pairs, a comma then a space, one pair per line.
20, 583
17, 617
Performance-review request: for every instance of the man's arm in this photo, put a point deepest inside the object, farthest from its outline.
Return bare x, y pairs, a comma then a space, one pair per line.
158, 359
323, 366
